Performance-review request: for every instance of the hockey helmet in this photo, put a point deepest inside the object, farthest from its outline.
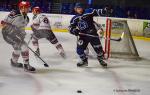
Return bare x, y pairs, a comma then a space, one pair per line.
36, 9
79, 5
24, 4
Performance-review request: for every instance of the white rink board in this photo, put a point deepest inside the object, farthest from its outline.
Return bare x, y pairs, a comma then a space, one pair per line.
60, 21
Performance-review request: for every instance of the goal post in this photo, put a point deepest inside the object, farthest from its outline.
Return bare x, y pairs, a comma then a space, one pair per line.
125, 48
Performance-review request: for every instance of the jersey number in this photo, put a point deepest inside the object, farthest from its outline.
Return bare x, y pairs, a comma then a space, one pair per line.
46, 20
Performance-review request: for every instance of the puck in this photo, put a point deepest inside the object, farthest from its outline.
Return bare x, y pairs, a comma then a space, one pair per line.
79, 91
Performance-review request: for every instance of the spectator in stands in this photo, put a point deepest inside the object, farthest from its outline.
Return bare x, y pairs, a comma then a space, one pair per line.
119, 12
131, 14
110, 11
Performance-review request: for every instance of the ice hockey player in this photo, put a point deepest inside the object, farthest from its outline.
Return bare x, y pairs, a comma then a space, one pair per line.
83, 23
41, 29
14, 33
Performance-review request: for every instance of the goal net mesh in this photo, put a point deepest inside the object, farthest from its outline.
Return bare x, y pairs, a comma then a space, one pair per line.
125, 48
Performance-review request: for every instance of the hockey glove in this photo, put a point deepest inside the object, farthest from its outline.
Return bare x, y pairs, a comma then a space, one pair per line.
75, 32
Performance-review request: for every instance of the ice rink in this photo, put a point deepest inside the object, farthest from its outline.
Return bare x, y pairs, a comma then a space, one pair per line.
123, 77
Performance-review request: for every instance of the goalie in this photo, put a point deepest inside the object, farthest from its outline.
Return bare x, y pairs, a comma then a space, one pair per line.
14, 33
41, 29
83, 23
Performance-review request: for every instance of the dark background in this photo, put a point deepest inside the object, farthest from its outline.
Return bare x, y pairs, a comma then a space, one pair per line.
139, 9
124, 3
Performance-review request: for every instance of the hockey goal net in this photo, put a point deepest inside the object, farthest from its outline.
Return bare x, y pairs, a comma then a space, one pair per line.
125, 46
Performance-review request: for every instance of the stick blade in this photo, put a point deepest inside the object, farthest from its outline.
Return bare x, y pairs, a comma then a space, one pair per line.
119, 39
122, 35
46, 65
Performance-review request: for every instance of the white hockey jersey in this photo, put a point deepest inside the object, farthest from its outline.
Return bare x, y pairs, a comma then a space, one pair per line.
41, 22
17, 19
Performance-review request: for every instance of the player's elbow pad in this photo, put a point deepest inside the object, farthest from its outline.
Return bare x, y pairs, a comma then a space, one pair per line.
3, 22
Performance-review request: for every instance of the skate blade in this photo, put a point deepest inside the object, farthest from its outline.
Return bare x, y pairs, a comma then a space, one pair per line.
29, 71
105, 67
83, 66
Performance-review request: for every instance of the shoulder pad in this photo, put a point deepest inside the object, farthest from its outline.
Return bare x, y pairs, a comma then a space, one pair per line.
34, 17
43, 15
40, 15
76, 17
14, 13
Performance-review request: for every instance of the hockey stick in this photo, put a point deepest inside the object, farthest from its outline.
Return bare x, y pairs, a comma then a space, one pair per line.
119, 39
30, 39
45, 64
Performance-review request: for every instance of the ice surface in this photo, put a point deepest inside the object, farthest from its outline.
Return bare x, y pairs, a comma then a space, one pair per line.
123, 77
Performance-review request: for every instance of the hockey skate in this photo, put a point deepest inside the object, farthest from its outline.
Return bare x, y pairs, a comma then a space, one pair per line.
29, 68
82, 63
102, 62
19, 65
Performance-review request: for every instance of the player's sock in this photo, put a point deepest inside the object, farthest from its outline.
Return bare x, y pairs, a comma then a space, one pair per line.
25, 56
36, 46
86, 51
14, 59
60, 50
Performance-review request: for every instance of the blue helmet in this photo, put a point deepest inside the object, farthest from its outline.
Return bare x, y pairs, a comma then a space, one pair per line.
79, 5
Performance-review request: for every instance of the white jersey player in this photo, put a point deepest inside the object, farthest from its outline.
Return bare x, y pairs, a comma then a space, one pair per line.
14, 33
42, 29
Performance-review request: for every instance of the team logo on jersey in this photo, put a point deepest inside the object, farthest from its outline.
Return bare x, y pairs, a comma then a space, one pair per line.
80, 42
82, 25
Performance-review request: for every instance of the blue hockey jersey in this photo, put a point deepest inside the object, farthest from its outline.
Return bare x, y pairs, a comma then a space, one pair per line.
84, 22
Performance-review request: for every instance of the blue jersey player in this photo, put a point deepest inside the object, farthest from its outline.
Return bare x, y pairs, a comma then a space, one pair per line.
83, 23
